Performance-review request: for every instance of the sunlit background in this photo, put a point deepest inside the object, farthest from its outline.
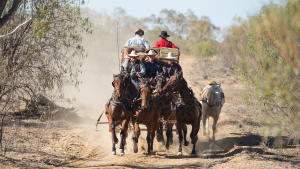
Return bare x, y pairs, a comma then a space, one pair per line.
220, 12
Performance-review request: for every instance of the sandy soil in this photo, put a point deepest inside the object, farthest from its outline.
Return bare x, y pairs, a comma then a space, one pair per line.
64, 144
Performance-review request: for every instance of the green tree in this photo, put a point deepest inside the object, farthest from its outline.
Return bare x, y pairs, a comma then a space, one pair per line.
43, 55
201, 36
269, 61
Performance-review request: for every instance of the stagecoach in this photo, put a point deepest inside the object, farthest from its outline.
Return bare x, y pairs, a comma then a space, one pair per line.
162, 53
189, 112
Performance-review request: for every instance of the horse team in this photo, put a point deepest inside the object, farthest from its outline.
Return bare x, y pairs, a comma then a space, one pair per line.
170, 102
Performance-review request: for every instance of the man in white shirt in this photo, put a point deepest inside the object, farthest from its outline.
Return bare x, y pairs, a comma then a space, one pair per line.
138, 40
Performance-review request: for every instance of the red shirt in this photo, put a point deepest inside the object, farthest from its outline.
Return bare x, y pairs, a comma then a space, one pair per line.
164, 43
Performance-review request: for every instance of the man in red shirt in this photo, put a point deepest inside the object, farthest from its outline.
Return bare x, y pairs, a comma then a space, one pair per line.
163, 42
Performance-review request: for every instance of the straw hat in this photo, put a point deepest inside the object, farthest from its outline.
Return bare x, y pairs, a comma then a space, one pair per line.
151, 53
133, 54
139, 31
170, 56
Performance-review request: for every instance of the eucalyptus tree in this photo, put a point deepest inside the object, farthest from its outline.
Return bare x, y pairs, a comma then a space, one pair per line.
42, 55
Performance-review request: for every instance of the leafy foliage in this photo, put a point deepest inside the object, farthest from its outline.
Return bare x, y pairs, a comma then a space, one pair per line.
205, 48
268, 48
45, 53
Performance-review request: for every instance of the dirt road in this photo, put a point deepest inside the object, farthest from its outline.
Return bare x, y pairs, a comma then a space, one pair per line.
237, 144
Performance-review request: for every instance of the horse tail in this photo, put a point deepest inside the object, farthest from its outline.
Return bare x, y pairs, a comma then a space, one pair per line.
199, 109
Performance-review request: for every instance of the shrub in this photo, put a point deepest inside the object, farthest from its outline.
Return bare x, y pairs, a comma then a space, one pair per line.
270, 63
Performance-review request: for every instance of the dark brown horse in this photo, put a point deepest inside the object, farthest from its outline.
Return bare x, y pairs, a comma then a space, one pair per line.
117, 111
166, 111
188, 111
146, 115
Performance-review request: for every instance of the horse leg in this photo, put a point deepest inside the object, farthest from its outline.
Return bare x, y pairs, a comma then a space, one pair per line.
123, 135
169, 135
152, 135
204, 125
214, 127
136, 137
184, 129
159, 136
114, 137
148, 138
193, 135
180, 137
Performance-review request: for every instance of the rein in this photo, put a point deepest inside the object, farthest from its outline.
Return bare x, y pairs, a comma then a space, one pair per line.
117, 89
114, 102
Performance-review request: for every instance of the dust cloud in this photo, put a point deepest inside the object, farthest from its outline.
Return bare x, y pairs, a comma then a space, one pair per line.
95, 88
97, 71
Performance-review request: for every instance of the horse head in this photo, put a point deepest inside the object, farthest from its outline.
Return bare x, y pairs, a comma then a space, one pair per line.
174, 83
119, 86
215, 95
145, 92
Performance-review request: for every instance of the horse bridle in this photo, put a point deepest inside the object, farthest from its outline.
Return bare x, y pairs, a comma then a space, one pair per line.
144, 98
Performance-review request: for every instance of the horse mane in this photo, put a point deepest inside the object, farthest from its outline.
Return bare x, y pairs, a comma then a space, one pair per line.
209, 96
191, 91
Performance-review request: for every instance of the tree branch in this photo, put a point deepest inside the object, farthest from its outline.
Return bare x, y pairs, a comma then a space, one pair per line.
10, 13
2, 6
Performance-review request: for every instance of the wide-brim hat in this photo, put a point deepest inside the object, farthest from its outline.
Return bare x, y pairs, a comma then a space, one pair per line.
170, 56
151, 53
164, 34
139, 31
133, 54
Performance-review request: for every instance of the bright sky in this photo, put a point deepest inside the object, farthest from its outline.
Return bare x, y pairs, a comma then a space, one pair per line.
220, 12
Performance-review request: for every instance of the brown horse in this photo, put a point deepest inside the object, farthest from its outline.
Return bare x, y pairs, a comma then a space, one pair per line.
188, 111
117, 112
146, 115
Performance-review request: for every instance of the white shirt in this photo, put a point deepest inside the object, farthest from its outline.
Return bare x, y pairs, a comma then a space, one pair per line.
138, 41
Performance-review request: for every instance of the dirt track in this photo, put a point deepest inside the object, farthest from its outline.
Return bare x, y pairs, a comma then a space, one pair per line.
236, 146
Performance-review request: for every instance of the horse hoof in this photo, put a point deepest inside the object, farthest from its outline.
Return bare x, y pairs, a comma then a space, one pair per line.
135, 148
167, 146
121, 151
179, 153
113, 152
193, 153
186, 143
